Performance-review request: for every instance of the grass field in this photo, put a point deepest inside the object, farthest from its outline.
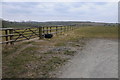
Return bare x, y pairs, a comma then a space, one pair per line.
99, 32
88, 32
33, 59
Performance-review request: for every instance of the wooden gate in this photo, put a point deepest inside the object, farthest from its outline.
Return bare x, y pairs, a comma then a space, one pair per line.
10, 35
25, 34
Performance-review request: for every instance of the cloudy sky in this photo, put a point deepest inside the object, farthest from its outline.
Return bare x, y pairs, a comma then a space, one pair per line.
60, 11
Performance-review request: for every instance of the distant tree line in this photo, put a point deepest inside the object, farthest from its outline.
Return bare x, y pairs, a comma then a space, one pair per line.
23, 24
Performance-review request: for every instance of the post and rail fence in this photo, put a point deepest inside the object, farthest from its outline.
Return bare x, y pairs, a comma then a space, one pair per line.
11, 35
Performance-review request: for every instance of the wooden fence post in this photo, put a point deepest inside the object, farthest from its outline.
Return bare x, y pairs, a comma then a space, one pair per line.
50, 29
67, 28
40, 32
64, 29
47, 30
43, 30
56, 30
72, 27
61, 29
6, 33
11, 36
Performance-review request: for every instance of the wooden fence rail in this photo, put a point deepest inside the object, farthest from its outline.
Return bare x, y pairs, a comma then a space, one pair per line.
11, 35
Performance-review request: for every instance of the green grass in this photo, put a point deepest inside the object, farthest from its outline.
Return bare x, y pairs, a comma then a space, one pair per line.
30, 50
10, 49
65, 52
53, 63
87, 32
28, 42
50, 52
16, 67
97, 32
60, 44
68, 52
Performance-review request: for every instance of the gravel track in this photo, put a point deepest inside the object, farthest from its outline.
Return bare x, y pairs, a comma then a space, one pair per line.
99, 59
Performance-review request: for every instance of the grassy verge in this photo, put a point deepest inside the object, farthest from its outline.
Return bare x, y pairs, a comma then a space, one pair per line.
30, 64
36, 61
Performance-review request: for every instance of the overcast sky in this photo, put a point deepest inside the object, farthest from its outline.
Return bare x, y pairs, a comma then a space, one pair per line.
60, 11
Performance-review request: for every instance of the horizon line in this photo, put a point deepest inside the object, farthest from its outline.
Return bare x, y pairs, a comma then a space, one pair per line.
57, 21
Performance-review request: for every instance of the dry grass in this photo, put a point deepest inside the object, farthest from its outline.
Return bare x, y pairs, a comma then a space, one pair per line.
98, 32
32, 63
86, 32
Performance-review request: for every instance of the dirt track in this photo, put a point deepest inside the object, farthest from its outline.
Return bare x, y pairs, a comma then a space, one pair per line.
99, 59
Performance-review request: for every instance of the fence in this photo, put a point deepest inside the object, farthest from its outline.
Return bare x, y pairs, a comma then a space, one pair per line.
11, 35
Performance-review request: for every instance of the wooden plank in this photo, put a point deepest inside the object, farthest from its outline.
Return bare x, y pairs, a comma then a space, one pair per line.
26, 31
40, 32
6, 28
27, 34
6, 35
25, 39
7, 41
53, 32
21, 37
51, 29
61, 30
